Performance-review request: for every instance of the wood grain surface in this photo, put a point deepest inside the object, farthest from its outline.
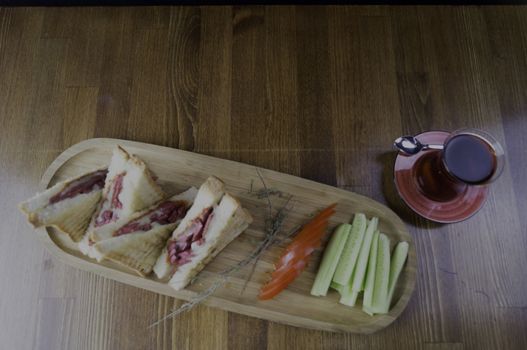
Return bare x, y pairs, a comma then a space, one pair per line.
318, 92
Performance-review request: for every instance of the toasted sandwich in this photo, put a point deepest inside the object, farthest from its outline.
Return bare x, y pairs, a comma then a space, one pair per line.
129, 187
67, 206
138, 243
213, 221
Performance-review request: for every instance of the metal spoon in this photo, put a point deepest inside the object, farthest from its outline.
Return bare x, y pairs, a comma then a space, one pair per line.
410, 145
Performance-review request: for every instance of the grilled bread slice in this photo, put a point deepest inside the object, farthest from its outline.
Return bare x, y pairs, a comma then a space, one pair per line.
228, 221
68, 205
208, 196
206, 230
138, 243
129, 187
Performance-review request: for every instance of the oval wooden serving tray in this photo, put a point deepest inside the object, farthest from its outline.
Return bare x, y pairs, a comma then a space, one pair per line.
177, 170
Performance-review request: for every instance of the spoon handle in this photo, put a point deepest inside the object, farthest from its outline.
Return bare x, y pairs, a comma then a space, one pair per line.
439, 147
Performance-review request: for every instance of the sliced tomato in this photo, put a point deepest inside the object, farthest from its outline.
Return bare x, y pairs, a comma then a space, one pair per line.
292, 262
278, 284
323, 216
283, 275
302, 252
299, 249
296, 256
306, 233
314, 234
305, 238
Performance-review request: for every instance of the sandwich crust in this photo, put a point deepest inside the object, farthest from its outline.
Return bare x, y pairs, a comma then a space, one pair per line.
139, 163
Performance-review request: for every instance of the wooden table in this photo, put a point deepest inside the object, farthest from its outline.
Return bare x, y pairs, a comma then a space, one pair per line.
319, 92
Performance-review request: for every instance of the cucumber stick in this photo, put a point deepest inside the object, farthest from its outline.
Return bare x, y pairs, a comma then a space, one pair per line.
382, 276
370, 275
329, 261
338, 287
362, 262
349, 299
399, 256
358, 258
351, 250
347, 296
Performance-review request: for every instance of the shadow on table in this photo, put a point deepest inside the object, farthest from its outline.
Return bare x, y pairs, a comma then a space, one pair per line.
392, 197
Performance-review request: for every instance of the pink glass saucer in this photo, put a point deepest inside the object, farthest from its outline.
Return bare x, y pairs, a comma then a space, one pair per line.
457, 206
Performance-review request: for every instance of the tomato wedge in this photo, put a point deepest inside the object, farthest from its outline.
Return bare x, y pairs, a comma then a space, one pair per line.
296, 256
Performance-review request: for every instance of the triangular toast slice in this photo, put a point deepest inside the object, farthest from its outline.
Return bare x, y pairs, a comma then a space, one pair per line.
209, 194
129, 187
228, 221
206, 230
138, 243
68, 205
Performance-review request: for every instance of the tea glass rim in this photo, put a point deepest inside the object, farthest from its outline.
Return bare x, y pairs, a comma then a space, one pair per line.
490, 140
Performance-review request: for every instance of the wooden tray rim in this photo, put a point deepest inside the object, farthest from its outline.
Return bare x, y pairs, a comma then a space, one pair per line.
161, 288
